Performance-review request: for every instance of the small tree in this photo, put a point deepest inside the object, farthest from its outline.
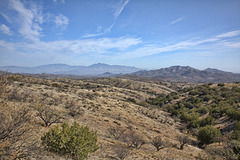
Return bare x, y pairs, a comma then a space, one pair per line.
74, 140
116, 132
48, 115
16, 139
158, 143
206, 134
230, 151
236, 133
133, 140
122, 152
183, 139
207, 121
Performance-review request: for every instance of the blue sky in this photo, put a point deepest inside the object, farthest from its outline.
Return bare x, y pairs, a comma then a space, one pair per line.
149, 34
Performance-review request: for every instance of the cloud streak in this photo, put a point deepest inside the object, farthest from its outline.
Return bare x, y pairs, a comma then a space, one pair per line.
6, 17
4, 29
177, 20
58, 1
72, 47
120, 9
117, 13
229, 34
215, 42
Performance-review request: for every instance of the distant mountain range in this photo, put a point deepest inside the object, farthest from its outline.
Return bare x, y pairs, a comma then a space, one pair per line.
189, 74
174, 73
92, 70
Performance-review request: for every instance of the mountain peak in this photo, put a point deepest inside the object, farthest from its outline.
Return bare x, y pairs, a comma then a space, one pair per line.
99, 65
189, 74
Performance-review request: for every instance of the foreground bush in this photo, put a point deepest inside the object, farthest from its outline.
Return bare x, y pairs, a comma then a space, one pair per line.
76, 141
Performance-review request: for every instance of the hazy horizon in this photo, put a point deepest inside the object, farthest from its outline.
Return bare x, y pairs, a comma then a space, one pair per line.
149, 34
118, 65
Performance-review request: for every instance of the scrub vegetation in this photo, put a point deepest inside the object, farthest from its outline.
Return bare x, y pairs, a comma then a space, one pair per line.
117, 118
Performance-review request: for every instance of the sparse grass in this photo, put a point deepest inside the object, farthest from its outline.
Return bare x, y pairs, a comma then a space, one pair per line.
100, 104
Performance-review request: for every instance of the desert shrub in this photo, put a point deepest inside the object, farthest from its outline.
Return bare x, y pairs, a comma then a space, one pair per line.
233, 113
158, 143
229, 151
216, 112
184, 116
172, 110
207, 134
236, 132
16, 139
206, 98
237, 126
235, 89
207, 121
193, 124
221, 84
183, 139
202, 110
76, 141
116, 132
121, 151
193, 93
131, 100
133, 140
169, 98
236, 115
3, 86
48, 115
236, 135
56, 85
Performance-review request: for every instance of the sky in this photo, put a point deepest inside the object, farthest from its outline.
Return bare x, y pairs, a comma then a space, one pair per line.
148, 34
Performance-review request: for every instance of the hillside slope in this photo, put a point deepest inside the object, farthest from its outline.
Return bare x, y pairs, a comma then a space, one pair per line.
102, 104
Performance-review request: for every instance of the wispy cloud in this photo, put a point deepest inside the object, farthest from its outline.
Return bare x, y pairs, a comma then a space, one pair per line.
92, 35
177, 20
28, 18
117, 13
61, 20
205, 44
90, 47
4, 29
6, 17
118, 10
229, 34
58, 1
115, 48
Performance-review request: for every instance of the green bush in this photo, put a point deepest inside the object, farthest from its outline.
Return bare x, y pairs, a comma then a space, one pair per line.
185, 116
173, 111
203, 110
236, 133
75, 141
221, 84
131, 100
207, 134
237, 126
193, 124
207, 121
